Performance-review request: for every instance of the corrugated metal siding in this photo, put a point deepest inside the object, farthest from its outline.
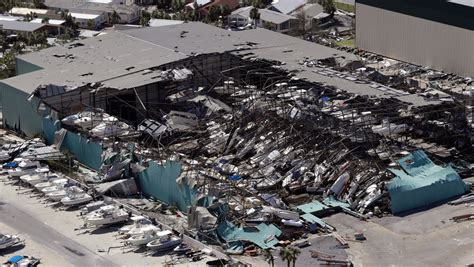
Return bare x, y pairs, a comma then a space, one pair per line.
415, 40
19, 113
84, 150
159, 181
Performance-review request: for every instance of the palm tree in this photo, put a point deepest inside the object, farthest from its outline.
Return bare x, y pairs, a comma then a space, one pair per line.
144, 18
269, 257
328, 6
255, 16
64, 14
295, 253
286, 255
114, 18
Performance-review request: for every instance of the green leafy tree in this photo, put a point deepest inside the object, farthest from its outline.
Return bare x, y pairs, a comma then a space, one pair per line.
70, 24
329, 6
214, 13
163, 4
38, 4
7, 65
91, 24
225, 10
6, 5
157, 14
45, 20
145, 18
114, 18
177, 5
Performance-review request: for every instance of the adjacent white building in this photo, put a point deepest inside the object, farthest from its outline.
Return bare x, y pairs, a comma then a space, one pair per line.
269, 19
83, 19
287, 6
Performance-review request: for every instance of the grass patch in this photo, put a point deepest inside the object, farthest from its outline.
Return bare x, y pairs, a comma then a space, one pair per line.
345, 7
349, 42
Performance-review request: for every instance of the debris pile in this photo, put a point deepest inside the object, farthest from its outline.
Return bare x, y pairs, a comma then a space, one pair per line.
264, 156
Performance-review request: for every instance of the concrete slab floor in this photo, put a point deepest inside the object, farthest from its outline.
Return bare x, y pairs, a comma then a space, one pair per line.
426, 238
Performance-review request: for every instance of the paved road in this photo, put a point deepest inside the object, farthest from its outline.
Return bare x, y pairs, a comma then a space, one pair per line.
73, 252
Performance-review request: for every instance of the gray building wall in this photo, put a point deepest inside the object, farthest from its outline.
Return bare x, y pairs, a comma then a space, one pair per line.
415, 40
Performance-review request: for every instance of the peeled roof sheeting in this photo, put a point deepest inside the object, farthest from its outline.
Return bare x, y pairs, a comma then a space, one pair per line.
107, 56
422, 183
264, 236
311, 207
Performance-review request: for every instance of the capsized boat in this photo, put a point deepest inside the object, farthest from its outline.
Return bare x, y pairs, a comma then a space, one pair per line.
166, 241
109, 214
7, 241
74, 199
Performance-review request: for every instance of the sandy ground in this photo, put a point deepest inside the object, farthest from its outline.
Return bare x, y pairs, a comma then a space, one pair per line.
53, 235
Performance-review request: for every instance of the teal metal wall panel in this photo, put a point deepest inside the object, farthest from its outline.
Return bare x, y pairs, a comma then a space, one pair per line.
159, 181
50, 127
18, 113
23, 67
85, 151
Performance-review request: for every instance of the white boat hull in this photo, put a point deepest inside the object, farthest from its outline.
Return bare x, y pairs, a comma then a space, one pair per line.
104, 221
141, 240
12, 240
67, 201
142, 229
168, 245
57, 195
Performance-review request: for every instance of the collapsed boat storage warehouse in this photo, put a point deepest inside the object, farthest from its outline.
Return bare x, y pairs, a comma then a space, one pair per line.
241, 127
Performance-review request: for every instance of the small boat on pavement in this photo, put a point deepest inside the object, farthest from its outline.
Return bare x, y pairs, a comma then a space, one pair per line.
181, 249
105, 215
7, 241
60, 194
140, 224
35, 179
24, 167
166, 241
142, 239
74, 199
52, 181
92, 207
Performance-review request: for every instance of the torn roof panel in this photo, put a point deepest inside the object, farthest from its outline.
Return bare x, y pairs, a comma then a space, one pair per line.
110, 57
423, 183
313, 219
311, 207
264, 236
113, 58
